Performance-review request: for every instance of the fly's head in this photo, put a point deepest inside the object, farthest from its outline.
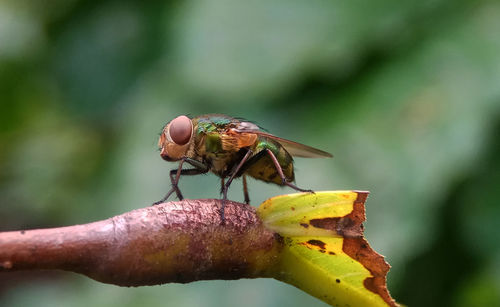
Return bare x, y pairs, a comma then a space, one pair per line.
175, 138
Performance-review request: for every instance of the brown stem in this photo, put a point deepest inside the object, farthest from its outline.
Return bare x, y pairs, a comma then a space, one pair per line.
180, 241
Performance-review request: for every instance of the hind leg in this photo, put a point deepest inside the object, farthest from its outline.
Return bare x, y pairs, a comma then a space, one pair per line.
282, 176
245, 190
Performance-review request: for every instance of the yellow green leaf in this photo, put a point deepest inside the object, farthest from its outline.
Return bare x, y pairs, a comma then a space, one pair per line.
324, 251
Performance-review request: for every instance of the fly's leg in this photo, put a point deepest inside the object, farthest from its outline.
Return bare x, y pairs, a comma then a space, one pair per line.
235, 171
174, 181
225, 187
200, 169
245, 190
282, 176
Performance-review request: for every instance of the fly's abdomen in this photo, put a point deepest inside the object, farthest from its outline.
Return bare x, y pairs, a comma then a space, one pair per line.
261, 166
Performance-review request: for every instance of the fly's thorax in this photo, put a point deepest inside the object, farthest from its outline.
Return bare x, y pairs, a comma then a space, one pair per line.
213, 143
210, 123
212, 146
223, 162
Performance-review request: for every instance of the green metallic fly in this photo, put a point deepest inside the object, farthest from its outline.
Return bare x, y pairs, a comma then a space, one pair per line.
229, 148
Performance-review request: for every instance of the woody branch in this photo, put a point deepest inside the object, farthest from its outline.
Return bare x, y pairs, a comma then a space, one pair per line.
172, 242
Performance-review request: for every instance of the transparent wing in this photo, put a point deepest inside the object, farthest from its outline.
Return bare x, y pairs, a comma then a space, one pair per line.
293, 148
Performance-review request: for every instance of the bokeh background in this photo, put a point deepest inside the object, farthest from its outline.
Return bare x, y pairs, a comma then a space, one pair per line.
405, 94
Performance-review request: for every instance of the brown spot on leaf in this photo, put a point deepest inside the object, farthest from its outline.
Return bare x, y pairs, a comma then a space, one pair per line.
370, 283
331, 253
344, 226
325, 223
359, 249
304, 225
348, 226
317, 243
337, 280
292, 208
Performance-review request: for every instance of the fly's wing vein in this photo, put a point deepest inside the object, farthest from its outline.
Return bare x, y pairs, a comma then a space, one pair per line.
234, 141
293, 148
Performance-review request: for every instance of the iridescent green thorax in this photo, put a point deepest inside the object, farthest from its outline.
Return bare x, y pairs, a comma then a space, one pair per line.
208, 129
209, 146
211, 123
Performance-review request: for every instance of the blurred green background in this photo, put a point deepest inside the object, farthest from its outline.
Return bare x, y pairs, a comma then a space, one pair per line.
405, 94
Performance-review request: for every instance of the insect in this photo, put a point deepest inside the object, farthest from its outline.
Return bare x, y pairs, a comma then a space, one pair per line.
230, 148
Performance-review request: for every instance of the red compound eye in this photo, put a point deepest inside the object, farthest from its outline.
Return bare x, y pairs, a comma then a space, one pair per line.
180, 130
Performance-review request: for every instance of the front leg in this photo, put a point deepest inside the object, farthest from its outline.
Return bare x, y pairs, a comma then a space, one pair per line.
200, 168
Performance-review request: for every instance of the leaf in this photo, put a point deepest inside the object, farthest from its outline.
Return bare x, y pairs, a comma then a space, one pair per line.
325, 253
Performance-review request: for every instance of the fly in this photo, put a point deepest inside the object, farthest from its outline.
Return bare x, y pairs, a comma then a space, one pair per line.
230, 148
